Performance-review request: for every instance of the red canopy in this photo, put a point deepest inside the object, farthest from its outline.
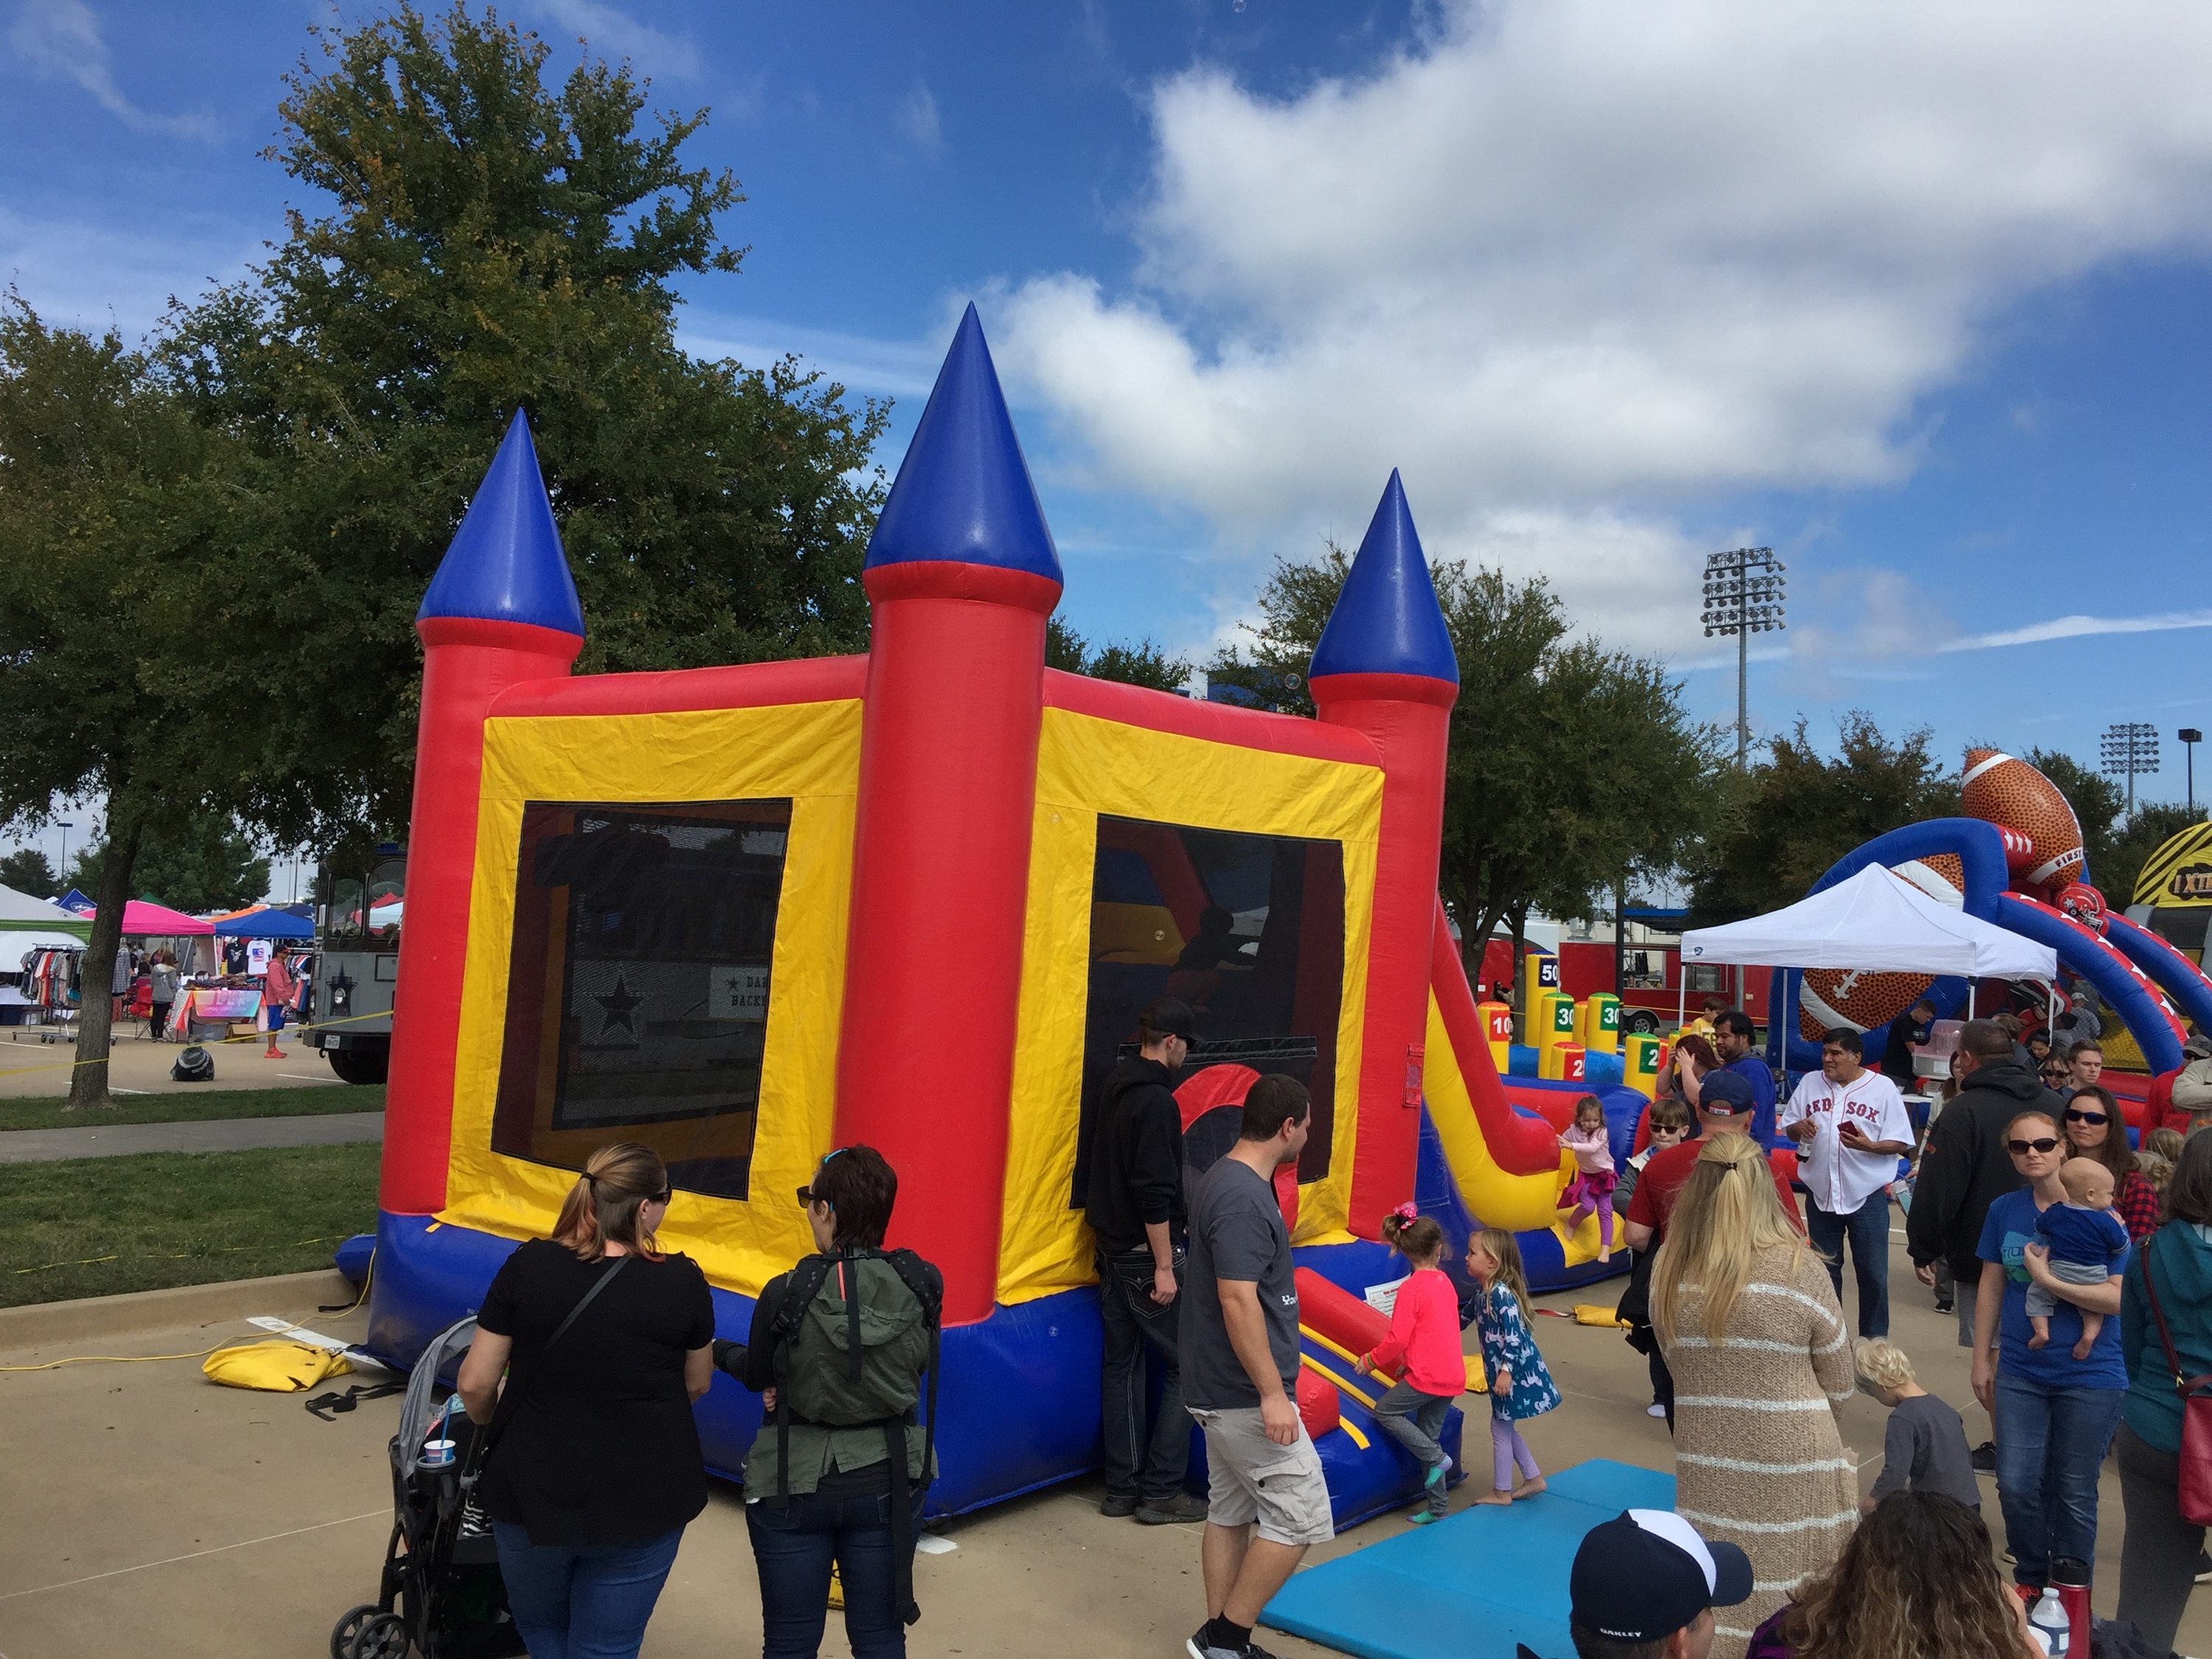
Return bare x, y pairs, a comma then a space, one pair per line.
143, 916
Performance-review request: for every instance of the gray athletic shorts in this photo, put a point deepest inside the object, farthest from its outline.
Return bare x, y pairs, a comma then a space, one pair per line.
1253, 1478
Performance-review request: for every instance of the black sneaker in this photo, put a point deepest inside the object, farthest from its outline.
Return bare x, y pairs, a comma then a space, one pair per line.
1166, 1511
2203, 1568
1117, 1505
1199, 1648
1985, 1458
1945, 1305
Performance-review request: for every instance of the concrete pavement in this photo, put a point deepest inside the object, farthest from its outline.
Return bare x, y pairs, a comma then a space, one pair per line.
226, 1135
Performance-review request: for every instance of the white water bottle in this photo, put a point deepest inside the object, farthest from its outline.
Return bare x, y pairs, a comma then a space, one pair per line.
2048, 1623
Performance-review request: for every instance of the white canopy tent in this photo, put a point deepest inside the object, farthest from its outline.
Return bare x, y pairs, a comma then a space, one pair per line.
1879, 923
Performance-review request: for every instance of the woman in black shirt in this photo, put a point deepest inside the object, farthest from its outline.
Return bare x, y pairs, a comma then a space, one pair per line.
594, 1469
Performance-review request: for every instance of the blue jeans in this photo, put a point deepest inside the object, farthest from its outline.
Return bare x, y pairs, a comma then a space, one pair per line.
590, 1602
1868, 1229
795, 1539
2051, 1444
1141, 1463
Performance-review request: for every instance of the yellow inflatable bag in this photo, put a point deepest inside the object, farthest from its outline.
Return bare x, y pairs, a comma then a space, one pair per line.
278, 1367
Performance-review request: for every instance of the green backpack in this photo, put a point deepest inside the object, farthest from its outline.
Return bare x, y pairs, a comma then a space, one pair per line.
852, 1362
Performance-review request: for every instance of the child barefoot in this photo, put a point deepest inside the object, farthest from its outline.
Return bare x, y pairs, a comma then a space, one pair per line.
1926, 1448
1520, 1387
1594, 1177
2086, 1244
1423, 1348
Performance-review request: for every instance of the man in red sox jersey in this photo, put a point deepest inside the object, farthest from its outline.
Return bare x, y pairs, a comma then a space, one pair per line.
1851, 1127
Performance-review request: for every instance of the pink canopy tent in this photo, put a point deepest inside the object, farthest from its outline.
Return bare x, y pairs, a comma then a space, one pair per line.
143, 916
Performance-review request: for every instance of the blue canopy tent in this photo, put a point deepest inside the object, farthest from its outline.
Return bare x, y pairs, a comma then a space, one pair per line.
272, 923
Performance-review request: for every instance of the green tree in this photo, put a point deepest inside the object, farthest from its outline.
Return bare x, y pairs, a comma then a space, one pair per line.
28, 871
200, 863
2097, 802
126, 532
1572, 769
1142, 663
1798, 812
481, 241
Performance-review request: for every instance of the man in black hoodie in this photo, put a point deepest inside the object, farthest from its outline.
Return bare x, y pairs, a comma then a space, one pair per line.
1136, 1209
1965, 1169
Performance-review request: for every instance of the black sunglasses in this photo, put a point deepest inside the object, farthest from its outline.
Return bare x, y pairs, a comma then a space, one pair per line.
2073, 1116
2042, 1144
806, 1199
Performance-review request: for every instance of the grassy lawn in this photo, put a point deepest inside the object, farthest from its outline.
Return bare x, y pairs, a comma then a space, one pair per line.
311, 1102
95, 1226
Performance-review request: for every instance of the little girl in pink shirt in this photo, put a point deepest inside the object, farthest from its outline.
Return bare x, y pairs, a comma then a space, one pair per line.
1594, 1176
1424, 1348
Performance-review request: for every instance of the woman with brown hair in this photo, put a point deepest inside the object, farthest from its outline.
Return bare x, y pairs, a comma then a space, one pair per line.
604, 1342
2095, 1130
1755, 1339
1916, 1581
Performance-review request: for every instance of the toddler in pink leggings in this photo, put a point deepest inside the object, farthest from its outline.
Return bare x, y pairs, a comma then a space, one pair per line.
1520, 1387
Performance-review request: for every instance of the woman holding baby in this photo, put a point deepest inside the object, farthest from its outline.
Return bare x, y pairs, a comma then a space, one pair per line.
2047, 1360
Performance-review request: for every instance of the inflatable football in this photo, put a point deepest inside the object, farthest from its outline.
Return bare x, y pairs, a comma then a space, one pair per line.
1842, 996
2013, 796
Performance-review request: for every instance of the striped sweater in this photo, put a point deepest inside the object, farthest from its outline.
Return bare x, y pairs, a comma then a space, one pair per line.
1759, 1460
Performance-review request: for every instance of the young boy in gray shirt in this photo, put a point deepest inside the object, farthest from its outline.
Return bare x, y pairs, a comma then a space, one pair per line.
1926, 1447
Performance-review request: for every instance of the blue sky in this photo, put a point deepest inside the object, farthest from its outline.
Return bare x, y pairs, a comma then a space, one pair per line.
1916, 296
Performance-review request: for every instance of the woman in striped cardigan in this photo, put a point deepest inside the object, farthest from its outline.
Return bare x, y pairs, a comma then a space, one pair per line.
1755, 1339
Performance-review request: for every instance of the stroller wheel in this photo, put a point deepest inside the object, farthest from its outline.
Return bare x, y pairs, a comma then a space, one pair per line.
346, 1629
381, 1636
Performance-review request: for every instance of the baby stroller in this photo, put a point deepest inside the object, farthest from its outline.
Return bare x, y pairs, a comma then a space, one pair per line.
440, 1593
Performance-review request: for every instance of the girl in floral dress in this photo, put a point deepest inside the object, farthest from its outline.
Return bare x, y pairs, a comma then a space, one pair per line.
1520, 1387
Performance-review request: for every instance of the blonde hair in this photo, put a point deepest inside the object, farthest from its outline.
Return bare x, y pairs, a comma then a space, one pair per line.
1728, 1213
608, 1202
1502, 1247
1884, 1364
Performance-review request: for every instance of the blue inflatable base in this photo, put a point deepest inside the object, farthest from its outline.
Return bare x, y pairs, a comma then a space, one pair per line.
1470, 1587
1017, 1398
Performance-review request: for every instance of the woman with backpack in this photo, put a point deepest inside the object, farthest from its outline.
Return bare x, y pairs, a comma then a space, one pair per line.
835, 1477
594, 1469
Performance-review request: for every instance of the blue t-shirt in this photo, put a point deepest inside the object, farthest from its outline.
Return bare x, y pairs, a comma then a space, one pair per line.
2085, 1235
2009, 1230
1756, 1071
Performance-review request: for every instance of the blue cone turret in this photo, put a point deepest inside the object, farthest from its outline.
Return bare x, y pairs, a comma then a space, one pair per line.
963, 494
506, 563
1387, 621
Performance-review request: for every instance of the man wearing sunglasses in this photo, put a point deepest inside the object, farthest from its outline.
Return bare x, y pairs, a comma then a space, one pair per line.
1965, 1167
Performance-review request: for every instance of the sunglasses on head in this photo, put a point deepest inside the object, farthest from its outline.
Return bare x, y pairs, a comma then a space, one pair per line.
2074, 1115
2040, 1144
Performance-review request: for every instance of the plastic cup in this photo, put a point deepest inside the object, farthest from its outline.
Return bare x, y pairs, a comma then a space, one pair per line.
437, 1454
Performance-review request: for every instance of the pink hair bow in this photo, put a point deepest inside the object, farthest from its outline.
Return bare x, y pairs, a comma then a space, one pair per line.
1405, 1212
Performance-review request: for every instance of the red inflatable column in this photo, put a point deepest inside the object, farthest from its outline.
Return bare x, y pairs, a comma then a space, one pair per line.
1384, 666
962, 574
501, 610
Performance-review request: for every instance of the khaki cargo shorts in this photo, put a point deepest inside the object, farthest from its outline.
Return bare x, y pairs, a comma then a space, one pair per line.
1253, 1478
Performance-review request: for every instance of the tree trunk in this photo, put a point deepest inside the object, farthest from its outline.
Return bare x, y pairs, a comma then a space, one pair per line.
95, 1023
1519, 914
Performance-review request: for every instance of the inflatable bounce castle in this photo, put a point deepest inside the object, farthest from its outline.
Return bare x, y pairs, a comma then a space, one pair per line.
915, 899
2016, 860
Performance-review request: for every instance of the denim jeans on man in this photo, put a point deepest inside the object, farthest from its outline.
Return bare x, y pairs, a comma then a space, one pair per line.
795, 1542
1868, 1229
590, 1603
1146, 1467
2051, 1442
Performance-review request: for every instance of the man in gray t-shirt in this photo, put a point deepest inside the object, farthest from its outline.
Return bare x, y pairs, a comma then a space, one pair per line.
1240, 1372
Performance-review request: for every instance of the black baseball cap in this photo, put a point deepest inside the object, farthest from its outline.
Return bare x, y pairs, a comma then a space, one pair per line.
1646, 1574
1724, 1093
1166, 1017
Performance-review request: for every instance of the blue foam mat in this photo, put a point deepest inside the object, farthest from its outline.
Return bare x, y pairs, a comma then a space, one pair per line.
1470, 1587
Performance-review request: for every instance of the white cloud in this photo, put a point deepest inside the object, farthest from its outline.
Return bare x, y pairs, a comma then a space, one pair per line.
1568, 263
2069, 628
612, 31
61, 39
138, 269
917, 118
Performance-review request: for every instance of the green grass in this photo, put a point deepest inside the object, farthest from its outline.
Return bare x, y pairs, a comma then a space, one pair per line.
314, 1101
95, 1226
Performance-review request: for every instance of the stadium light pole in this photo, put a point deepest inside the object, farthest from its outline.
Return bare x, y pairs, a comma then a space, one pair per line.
2190, 737
2130, 750
1743, 594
